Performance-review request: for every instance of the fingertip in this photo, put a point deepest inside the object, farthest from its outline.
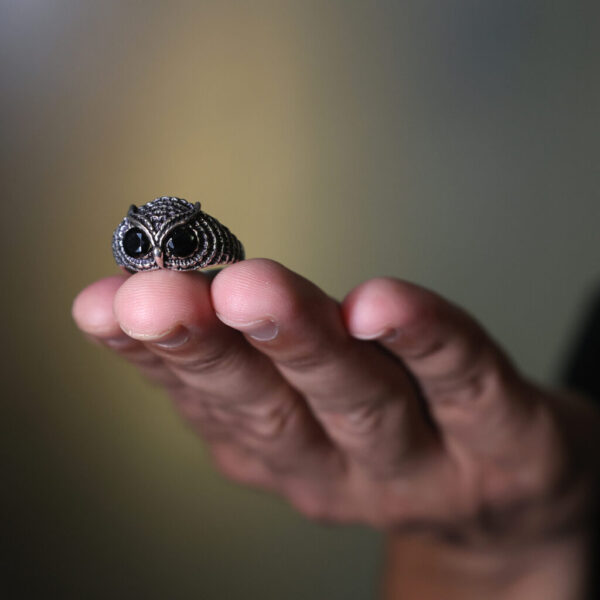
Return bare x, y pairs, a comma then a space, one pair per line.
383, 306
92, 308
150, 305
253, 289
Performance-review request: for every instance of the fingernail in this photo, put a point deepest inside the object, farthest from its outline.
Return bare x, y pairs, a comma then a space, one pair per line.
263, 330
174, 339
386, 335
170, 338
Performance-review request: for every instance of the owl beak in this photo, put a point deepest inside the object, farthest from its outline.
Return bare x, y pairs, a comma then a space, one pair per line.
158, 257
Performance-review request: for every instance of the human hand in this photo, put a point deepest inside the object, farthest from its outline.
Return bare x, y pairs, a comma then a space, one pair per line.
392, 409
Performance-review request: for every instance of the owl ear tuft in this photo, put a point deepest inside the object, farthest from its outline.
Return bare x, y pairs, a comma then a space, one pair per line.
196, 207
132, 210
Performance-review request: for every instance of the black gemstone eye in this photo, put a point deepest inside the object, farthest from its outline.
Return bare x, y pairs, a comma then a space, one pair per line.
136, 243
182, 242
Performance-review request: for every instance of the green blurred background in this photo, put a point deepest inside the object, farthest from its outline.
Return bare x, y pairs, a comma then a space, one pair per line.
454, 144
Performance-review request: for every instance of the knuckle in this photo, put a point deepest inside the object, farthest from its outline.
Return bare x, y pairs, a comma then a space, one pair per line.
367, 417
207, 362
315, 355
303, 360
362, 420
268, 422
477, 375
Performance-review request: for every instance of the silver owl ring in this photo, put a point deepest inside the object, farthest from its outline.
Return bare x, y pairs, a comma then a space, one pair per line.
171, 233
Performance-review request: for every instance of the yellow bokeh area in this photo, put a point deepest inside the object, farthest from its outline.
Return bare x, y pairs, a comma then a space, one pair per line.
452, 144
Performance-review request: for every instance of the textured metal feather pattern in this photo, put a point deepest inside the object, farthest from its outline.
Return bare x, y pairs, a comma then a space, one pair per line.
157, 220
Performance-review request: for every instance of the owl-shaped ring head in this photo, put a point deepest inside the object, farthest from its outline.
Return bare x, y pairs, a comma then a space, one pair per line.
172, 233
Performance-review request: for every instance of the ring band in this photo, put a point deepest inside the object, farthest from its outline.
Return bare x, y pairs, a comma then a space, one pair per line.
171, 233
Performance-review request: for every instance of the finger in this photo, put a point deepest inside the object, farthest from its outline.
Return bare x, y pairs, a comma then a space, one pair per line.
473, 392
93, 313
362, 396
235, 390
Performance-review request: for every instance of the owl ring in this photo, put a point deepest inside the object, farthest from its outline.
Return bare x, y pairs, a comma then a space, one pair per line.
171, 233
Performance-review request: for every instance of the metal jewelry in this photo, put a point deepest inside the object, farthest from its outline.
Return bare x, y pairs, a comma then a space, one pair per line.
172, 233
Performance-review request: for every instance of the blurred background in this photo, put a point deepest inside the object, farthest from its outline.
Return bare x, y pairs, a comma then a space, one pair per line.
454, 144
